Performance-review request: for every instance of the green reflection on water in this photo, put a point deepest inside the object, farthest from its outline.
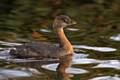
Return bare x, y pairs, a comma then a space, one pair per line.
93, 31
87, 37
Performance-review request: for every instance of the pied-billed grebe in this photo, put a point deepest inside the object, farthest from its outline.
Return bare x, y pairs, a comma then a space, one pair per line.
44, 49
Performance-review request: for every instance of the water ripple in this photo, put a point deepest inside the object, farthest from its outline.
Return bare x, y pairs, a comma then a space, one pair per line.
80, 55
115, 38
10, 73
106, 78
72, 29
109, 64
100, 49
71, 70
85, 61
9, 43
45, 30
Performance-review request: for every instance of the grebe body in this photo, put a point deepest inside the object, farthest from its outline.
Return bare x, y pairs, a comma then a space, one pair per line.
44, 49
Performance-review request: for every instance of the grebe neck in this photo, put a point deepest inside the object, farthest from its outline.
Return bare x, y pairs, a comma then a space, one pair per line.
62, 39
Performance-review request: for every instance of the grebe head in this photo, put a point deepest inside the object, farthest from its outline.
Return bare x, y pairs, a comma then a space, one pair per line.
62, 21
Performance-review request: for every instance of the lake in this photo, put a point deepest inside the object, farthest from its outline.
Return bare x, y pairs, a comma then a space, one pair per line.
96, 57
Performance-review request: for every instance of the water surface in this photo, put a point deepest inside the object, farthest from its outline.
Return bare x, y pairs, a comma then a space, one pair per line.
94, 59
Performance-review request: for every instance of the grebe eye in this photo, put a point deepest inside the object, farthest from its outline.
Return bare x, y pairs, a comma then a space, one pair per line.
66, 20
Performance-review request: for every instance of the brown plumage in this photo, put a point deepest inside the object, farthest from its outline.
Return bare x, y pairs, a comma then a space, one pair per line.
48, 50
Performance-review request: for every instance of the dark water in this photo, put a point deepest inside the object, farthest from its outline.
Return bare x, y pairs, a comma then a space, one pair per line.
96, 57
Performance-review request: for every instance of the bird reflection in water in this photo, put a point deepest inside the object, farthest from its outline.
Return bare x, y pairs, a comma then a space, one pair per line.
64, 63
